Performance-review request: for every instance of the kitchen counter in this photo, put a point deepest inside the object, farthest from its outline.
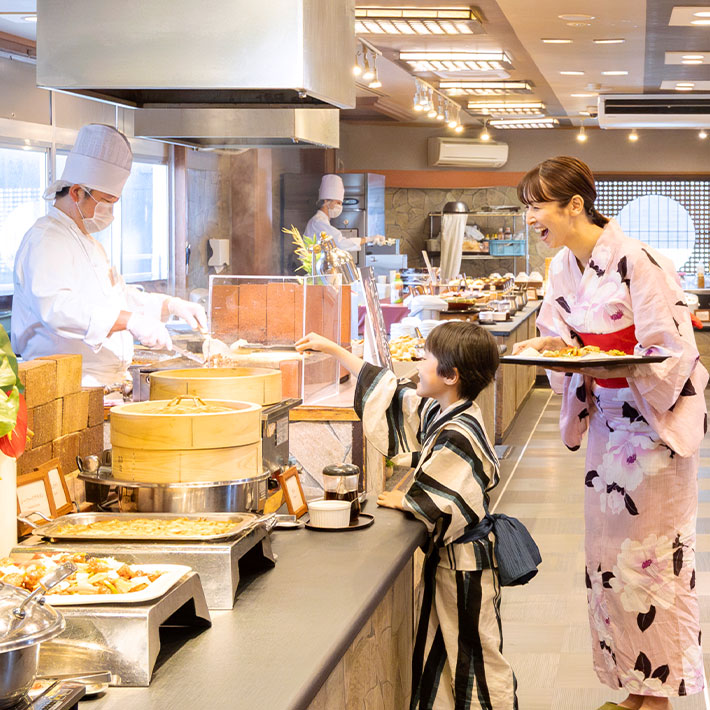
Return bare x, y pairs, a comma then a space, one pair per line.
292, 626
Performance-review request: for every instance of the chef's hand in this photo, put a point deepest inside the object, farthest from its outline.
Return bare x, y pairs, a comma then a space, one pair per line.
149, 332
391, 499
540, 344
192, 313
314, 341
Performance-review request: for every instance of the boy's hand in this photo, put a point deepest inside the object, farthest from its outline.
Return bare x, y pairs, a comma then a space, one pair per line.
391, 499
313, 341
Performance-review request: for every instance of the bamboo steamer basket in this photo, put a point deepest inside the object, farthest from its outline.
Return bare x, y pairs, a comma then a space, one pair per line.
242, 384
151, 444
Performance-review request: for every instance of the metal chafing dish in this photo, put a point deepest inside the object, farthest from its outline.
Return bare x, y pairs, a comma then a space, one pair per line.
242, 521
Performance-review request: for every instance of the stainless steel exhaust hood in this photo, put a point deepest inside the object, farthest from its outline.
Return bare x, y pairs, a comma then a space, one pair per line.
224, 129
211, 53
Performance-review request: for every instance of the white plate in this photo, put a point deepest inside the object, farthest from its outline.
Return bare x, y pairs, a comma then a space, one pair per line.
172, 574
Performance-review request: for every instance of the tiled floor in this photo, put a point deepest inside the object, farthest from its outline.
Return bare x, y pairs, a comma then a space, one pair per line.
545, 622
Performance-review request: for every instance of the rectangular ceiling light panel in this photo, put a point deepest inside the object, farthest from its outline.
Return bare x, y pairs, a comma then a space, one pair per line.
505, 108
417, 20
485, 88
524, 123
684, 16
456, 61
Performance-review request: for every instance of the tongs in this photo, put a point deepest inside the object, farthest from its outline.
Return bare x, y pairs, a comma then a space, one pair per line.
187, 354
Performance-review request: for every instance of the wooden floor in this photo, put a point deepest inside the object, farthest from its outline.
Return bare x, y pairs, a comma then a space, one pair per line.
546, 635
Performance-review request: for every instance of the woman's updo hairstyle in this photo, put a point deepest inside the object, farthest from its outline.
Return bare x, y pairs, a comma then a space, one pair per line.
559, 180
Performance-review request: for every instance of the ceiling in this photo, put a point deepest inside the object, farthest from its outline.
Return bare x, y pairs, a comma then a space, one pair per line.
652, 31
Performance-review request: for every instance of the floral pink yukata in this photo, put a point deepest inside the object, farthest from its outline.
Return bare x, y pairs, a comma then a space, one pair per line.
642, 460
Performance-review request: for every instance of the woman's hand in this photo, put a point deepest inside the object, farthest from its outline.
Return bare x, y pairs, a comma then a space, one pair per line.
540, 344
314, 341
391, 499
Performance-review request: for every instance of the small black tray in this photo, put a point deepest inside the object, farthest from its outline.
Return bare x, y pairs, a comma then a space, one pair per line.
364, 520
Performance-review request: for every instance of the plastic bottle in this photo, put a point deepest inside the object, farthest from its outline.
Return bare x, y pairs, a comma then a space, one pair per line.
397, 287
701, 276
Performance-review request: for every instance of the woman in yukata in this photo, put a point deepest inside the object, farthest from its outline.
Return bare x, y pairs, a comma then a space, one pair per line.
645, 423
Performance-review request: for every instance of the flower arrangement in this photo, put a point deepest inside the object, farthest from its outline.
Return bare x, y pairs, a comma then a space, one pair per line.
13, 408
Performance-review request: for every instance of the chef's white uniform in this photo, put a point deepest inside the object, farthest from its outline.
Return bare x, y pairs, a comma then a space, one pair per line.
321, 223
67, 298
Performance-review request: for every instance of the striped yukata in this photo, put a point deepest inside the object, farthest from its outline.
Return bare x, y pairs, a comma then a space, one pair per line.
458, 661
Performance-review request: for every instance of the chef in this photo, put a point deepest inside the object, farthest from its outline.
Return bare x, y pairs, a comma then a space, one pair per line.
330, 205
67, 296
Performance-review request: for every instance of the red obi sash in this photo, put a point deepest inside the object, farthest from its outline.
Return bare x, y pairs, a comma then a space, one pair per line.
624, 339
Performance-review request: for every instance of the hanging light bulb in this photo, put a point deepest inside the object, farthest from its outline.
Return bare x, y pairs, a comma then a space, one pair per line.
702, 135
357, 69
633, 136
485, 135
369, 74
440, 113
459, 128
582, 136
375, 83
418, 97
454, 118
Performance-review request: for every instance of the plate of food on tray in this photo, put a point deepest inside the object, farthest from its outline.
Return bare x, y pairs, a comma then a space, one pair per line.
581, 357
406, 348
98, 580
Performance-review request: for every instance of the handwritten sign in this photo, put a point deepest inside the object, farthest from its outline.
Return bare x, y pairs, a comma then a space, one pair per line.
55, 482
32, 497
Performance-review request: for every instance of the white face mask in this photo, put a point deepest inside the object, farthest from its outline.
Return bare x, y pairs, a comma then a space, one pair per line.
103, 216
335, 211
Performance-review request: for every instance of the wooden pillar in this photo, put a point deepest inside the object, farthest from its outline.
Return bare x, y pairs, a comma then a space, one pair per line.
252, 247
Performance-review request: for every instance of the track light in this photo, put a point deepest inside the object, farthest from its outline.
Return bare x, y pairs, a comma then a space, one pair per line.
702, 134
369, 73
633, 136
485, 135
459, 128
582, 136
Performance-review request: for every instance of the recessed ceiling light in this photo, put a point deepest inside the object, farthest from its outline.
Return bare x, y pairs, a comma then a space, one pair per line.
693, 56
506, 108
484, 88
701, 14
583, 96
700, 22
576, 18
552, 40
30, 18
609, 41
456, 61
685, 83
691, 61
579, 24
572, 73
614, 73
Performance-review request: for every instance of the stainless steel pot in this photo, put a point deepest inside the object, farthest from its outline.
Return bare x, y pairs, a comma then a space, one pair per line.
24, 624
238, 496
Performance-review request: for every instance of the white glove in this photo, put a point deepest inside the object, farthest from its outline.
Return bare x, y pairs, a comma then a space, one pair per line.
149, 332
192, 313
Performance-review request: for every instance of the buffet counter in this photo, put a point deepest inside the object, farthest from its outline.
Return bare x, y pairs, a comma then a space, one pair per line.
330, 625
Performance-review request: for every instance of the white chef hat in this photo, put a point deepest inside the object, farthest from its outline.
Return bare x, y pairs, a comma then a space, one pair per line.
100, 159
331, 188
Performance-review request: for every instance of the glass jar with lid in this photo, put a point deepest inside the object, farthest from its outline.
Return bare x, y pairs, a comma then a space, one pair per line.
340, 482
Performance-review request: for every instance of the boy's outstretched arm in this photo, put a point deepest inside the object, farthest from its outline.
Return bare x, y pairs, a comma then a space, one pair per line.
313, 341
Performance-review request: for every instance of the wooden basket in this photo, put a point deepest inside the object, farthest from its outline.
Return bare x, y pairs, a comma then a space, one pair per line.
162, 447
241, 384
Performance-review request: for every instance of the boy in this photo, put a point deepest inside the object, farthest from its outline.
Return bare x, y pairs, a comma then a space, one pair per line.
437, 429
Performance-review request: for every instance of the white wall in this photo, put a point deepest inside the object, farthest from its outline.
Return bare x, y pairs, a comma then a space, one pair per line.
373, 147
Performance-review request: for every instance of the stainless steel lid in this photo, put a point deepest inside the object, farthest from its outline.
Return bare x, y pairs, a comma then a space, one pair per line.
453, 207
41, 622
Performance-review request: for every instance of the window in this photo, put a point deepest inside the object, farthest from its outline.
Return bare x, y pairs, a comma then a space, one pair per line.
137, 241
22, 182
672, 216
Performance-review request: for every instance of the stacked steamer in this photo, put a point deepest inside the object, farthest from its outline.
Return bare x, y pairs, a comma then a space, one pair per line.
200, 425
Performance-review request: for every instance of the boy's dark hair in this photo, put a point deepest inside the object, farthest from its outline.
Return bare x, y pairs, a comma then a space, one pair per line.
468, 348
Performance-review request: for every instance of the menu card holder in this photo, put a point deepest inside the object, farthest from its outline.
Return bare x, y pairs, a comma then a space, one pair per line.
293, 492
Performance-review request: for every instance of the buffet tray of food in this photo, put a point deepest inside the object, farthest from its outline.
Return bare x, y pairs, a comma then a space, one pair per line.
576, 357
163, 527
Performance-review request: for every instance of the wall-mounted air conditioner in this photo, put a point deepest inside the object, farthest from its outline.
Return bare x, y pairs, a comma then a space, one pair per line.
654, 111
467, 153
